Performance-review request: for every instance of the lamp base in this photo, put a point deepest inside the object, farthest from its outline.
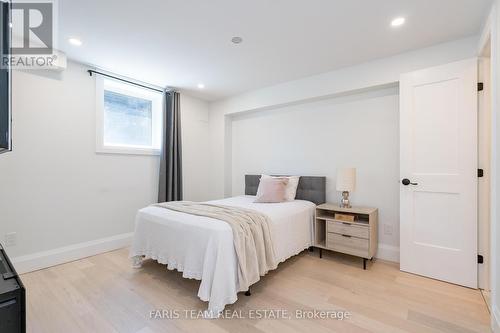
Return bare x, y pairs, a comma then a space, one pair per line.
344, 202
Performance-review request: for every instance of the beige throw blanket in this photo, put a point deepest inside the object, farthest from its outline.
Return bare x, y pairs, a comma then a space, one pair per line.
251, 235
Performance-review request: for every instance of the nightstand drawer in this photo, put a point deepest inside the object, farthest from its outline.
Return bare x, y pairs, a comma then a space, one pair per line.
350, 245
348, 229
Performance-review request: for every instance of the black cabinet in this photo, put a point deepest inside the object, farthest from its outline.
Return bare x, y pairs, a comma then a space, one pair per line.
12, 298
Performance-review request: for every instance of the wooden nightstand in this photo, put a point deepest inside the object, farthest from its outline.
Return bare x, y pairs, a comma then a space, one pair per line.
358, 238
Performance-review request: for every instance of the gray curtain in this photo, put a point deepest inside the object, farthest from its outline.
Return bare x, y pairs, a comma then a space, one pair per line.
170, 187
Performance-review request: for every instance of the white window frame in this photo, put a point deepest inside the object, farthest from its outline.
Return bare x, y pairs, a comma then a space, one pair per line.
130, 90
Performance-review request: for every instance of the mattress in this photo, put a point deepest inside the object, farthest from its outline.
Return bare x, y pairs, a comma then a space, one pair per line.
202, 248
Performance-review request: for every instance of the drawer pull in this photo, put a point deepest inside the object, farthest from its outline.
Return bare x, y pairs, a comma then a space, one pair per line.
346, 236
346, 223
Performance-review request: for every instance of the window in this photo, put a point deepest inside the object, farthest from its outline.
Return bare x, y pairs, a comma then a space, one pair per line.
129, 118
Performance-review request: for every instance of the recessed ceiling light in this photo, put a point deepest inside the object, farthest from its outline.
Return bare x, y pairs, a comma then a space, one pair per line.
75, 41
398, 21
236, 40
201, 86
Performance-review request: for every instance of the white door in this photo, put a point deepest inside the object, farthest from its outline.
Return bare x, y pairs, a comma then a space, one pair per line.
438, 152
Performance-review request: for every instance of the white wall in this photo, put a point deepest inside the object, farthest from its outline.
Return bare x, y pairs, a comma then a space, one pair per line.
55, 191
195, 148
496, 111
316, 138
297, 96
378, 73
494, 22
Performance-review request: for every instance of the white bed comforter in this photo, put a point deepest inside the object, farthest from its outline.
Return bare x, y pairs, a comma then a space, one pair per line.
202, 248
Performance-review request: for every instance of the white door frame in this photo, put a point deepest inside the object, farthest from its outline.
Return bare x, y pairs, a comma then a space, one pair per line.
486, 152
484, 162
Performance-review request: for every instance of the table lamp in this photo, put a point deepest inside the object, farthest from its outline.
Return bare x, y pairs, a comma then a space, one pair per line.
346, 182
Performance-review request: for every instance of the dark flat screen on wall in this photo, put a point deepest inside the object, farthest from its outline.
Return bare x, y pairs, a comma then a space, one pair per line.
5, 112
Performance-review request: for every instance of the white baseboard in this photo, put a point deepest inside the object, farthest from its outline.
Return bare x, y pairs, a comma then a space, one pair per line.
40, 260
495, 320
388, 252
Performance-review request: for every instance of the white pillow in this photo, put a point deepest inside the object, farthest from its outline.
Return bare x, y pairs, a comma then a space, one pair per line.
272, 190
291, 187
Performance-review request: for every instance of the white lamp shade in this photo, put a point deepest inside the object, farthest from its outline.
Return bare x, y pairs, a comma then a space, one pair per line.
346, 179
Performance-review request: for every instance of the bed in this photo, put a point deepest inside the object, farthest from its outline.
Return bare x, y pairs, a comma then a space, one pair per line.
202, 248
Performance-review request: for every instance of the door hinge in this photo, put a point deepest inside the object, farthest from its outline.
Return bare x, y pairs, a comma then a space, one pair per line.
480, 86
480, 173
480, 259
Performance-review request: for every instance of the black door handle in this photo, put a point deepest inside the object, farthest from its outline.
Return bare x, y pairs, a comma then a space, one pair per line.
407, 182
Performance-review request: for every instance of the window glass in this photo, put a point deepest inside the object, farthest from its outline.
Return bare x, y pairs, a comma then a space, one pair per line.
127, 120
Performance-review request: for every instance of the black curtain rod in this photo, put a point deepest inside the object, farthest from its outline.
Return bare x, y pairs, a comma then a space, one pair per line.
91, 71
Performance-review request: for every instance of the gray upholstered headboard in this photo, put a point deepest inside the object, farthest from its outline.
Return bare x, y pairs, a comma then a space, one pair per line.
310, 188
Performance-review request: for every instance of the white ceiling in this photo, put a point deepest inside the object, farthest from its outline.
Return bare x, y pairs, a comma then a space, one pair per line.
184, 42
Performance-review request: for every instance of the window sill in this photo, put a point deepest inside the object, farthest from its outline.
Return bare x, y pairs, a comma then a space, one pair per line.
127, 151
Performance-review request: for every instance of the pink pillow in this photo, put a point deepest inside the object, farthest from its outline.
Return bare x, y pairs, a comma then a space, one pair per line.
271, 190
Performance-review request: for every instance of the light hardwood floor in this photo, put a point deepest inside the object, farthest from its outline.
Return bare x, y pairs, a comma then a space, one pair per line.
104, 294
